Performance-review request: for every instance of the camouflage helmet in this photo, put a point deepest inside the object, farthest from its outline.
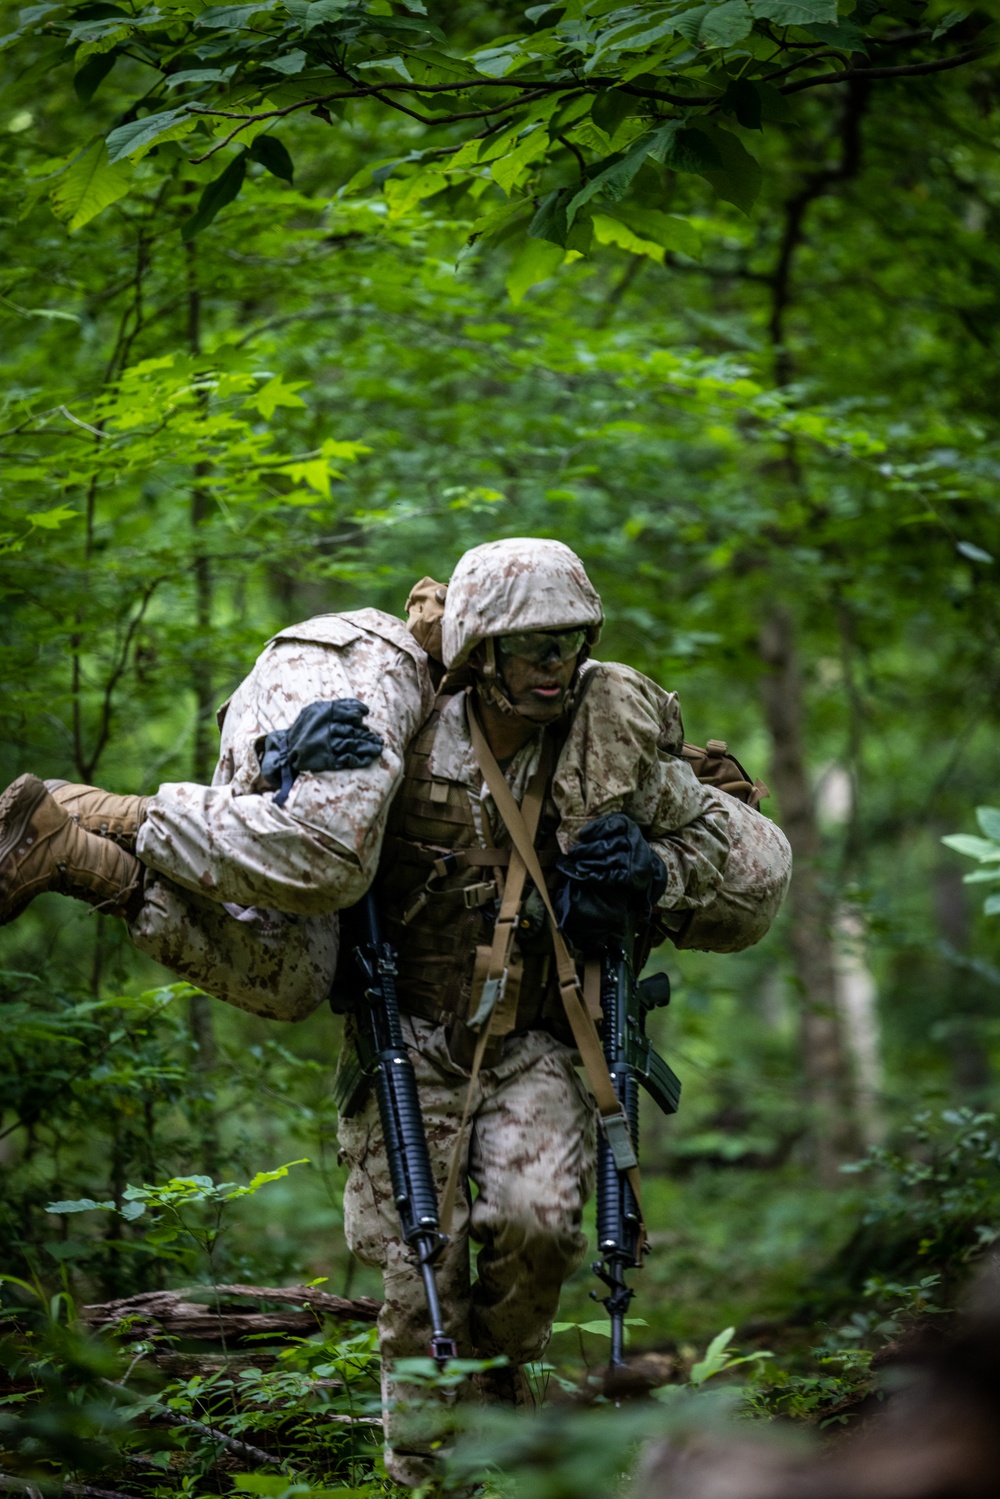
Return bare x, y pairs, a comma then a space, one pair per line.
521, 583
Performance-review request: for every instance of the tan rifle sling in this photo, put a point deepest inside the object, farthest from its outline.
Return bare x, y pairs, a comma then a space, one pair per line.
491, 1015
581, 1022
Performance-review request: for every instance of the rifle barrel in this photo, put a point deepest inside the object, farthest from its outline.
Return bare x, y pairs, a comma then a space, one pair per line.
618, 1221
403, 1124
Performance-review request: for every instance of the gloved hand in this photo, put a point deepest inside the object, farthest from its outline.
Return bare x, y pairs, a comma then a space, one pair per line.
325, 736
609, 874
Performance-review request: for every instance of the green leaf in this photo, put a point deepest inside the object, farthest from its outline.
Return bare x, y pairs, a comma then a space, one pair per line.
138, 136
93, 73
261, 1179
639, 36
216, 195
273, 154
400, 26
976, 848
685, 149
394, 64
616, 173
508, 169
773, 104
82, 1205
726, 24
549, 222
715, 1358
198, 75
312, 13
981, 877
602, 1328
991, 906
232, 17
989, 821
403, 192
53, 313
609, 231
974, 553
739, 178
947, 22
51, 520
536, 261
688, 23
89, 186
274, 394
164, 1235
845, 35
271, 1485
668, 230
289, 63
499, 219
611, 107
742, 99
795, 12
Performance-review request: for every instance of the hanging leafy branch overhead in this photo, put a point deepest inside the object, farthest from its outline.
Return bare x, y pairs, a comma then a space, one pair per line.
563, 128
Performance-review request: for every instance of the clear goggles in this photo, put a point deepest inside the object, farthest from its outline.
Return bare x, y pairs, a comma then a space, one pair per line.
537, 646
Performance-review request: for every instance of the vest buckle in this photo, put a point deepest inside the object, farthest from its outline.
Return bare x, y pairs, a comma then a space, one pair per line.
475, 896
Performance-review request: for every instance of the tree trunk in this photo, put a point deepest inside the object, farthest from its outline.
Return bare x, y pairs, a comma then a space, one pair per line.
971, 1072
824, 1071
200, 1013
857, 1007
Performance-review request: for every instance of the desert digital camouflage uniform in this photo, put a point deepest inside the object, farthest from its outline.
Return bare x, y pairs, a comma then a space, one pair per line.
529, 1144
529, 1147
242, 894
241, 899
626, 734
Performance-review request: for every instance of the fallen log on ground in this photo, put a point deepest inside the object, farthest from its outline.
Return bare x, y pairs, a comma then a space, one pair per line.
213, 1320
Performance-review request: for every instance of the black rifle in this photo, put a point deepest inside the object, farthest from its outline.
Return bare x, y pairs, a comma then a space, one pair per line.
382, 1056
631, 1060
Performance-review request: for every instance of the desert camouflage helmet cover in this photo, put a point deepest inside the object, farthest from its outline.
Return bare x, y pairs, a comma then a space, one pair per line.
522, 583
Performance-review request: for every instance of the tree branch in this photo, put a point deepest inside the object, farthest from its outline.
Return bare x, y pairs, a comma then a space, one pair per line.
795, 211
530, 89
256, 1454
114, 678
904, 70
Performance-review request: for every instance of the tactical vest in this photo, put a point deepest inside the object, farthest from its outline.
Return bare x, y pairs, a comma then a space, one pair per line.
439, 891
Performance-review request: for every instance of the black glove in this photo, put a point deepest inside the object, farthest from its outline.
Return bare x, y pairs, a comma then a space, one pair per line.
608, 875
325, 736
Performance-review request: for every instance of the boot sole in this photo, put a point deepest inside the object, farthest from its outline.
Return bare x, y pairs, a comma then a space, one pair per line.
20, 802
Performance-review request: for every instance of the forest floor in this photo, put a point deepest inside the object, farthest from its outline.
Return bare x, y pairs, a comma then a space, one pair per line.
765, 1296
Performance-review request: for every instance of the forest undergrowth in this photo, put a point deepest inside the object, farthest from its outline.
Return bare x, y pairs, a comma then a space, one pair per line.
766, 1298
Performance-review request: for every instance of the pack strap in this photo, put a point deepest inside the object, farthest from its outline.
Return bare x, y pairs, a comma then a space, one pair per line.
492, 1014
582, 1024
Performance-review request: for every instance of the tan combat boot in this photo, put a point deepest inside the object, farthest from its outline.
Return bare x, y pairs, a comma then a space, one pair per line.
43, 848
101, 812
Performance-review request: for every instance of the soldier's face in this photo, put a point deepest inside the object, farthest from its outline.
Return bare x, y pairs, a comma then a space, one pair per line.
538, 683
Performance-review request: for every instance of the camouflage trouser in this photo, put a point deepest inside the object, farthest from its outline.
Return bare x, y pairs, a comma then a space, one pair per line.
529, 1150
